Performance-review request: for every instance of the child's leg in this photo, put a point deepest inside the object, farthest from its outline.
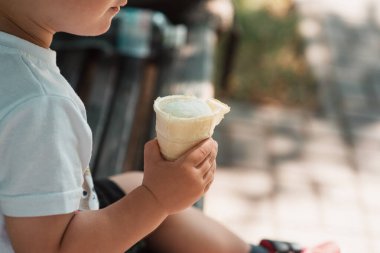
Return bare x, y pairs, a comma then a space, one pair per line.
189, 231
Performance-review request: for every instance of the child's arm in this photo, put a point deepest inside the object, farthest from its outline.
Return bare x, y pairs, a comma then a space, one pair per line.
168, 187
112, 229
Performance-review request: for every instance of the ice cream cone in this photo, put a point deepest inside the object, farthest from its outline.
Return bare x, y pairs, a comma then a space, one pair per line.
177, 133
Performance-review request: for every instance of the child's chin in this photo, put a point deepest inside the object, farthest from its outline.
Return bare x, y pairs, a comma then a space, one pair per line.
96, 33
92, 32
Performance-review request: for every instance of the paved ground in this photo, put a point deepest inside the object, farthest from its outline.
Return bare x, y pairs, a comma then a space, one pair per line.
311, 176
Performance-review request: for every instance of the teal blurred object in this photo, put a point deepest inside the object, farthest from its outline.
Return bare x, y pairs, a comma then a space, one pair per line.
141, 33
134, 32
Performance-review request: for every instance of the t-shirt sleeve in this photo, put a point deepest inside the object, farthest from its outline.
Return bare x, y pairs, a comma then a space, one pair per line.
45, 144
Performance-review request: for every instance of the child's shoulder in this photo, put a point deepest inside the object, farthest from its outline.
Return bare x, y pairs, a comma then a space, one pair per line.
25, 64
22, 81
17, 80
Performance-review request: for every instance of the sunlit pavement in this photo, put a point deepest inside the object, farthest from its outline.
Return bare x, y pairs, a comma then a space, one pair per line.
305, 176
288, 175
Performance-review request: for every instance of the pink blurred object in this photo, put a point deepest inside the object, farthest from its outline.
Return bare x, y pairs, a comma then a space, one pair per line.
327, 247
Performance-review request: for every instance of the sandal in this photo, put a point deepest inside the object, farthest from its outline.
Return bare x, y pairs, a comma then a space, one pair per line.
274, 246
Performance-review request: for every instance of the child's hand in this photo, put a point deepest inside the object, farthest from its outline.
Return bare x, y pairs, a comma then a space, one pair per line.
179, 184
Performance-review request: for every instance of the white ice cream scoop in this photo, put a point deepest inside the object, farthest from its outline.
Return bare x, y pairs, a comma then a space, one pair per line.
186, 108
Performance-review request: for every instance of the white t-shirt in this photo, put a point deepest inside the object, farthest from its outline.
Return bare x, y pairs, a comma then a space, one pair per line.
45, 141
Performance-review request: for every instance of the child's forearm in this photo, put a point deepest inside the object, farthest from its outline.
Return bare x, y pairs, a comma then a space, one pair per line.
115, 228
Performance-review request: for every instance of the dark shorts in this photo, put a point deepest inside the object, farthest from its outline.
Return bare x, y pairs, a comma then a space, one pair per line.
108, 192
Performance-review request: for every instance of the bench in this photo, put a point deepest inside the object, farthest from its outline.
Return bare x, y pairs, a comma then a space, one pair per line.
115, 75
119, 74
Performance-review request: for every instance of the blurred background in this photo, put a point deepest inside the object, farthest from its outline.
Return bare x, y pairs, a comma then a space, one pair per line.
270, 66
299, 152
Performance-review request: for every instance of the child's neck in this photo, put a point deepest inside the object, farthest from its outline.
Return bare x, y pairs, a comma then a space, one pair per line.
31, 32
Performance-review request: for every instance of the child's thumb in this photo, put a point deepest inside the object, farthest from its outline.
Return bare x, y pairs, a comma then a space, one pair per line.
152, 150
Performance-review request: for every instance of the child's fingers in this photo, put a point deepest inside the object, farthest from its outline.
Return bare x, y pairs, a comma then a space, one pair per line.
209, 177
209, 174
198, 154
207, 187
152, 150
206, 164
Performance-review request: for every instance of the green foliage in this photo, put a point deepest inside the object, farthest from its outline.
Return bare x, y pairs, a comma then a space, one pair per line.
270, 65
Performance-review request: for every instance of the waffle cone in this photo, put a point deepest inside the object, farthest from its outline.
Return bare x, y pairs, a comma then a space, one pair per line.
176, 135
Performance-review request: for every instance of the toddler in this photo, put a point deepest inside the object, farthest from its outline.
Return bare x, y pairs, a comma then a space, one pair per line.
48, 200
